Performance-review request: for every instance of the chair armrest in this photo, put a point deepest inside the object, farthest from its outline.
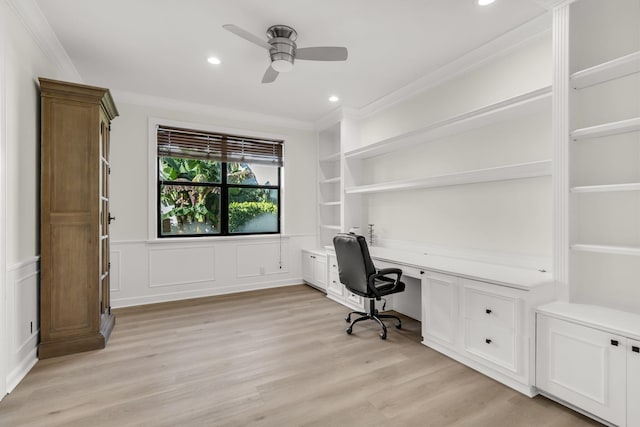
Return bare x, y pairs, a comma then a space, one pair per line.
381, 274
385, 271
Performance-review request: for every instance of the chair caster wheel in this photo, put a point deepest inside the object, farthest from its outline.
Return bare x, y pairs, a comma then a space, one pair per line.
347, 319
349, 330
383, 336
399, 326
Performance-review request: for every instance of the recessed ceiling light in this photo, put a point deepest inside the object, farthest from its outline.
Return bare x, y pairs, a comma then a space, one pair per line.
334, 98
485, 2
213, 60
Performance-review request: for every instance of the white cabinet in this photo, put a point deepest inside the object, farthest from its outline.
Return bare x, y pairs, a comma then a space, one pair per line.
589, 357
337, 291
492, 327
633, 383
314, 268
582, 366
439, 308
489, 327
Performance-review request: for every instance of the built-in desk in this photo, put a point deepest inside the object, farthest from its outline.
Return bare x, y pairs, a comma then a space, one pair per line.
480, 314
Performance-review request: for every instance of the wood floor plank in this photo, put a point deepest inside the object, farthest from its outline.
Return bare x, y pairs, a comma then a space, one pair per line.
277, 357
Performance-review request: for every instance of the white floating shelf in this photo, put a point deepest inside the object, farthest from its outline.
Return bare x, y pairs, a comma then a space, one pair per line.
331, 180
511, 108
607, 129
331, 158
330, 227
330, 204
607, 249
501, 173
611, 70
634, 186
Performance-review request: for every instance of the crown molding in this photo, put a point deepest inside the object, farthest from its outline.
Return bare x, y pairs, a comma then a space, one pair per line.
133, 98
550, 4
35, 22
496, 48
335, 116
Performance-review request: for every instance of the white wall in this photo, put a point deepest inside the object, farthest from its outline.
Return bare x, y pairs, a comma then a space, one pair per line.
509, 216
146, 270
129, 187
23, 62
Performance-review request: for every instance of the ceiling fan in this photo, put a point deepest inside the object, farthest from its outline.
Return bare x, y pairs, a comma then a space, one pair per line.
283, 49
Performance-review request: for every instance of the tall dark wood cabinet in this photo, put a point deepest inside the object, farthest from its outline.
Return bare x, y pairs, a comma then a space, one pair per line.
75, 313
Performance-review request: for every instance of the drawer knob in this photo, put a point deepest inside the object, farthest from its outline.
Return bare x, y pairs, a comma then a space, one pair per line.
635, 349
488, 311
421, 271
488, 341
615, 343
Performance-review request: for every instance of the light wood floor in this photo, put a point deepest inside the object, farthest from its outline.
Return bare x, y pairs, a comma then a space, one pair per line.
278, 357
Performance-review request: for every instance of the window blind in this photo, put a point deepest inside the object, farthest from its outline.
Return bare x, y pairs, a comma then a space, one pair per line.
202, 145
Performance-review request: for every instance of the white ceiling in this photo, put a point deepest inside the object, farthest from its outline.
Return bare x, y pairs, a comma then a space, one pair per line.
160, 47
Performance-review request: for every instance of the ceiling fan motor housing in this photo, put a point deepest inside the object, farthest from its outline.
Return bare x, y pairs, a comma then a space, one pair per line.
283, 47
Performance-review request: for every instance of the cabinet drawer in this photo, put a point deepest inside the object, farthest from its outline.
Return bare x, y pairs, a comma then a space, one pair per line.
491, 342
484, 306
355, 299
333, 264
334, 287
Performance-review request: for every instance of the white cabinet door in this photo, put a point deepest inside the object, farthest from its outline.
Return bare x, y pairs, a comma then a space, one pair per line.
582, 366
308, 267
633, 383
320, 271
439, 308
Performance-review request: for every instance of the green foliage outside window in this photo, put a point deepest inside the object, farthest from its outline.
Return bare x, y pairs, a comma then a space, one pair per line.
195, 209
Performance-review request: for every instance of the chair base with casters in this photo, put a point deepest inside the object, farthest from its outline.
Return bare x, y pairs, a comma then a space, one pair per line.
373, 315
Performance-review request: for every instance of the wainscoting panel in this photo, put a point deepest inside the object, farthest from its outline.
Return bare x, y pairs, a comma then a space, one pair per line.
114, 271
147, 272
23, 288
258, 259
175, 266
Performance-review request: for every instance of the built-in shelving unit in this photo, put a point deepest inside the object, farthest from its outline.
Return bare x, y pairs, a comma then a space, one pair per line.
517, 106
329, 179
607, 129
609, 188
607, 249
501, 173
610, 70
603, 194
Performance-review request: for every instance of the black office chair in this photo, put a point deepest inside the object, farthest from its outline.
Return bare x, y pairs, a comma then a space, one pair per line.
359, 275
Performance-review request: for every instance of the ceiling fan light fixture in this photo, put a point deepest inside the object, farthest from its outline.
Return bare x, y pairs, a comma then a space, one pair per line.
282, 65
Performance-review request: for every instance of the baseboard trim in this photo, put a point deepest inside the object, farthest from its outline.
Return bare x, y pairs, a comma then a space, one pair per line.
178, 296
23, 368
527, 390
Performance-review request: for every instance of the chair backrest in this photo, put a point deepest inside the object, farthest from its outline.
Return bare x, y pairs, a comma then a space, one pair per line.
354, 262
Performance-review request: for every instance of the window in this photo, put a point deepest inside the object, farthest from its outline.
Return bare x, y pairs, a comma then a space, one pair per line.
217, 184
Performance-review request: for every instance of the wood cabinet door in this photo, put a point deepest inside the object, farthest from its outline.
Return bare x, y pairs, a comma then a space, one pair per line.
583, 366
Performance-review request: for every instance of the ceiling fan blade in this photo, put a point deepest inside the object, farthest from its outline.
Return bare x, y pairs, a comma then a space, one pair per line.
322, 53
247, 35
269, 75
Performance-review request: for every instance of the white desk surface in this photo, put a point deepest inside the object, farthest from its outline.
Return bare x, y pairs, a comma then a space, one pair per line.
514, 277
